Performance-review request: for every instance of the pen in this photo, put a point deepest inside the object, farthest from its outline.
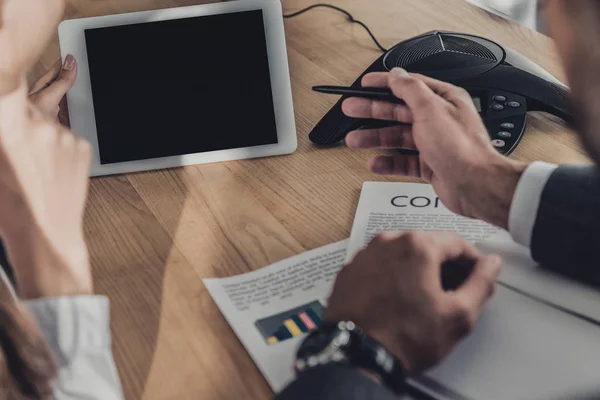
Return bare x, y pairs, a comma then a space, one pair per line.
365, 93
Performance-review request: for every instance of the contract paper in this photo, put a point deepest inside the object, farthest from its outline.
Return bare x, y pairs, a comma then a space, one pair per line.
402, 207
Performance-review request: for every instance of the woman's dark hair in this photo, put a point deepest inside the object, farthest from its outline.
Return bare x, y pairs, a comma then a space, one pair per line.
27, 369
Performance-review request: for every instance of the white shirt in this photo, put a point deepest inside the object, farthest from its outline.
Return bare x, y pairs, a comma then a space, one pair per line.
77, 329
526, 201
78, 332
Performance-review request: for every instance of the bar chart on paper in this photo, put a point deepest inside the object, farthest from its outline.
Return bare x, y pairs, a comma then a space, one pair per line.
291, 323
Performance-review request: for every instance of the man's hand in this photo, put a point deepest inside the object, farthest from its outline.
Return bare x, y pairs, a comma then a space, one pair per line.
392, 290
48, 92
456, 155
44, 171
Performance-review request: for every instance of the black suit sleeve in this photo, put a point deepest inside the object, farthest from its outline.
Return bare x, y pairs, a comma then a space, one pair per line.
566, 234
335, 383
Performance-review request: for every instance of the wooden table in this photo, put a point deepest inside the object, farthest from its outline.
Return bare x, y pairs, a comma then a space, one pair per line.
154, 236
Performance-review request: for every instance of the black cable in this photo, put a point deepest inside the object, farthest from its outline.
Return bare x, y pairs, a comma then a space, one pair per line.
346, 13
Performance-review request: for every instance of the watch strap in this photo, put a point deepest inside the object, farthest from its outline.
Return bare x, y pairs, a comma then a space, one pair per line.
349, 345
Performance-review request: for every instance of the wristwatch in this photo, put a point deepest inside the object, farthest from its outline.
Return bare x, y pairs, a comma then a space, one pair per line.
343, 343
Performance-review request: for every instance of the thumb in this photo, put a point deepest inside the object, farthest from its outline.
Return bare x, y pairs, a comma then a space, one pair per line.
53, 94
479, 287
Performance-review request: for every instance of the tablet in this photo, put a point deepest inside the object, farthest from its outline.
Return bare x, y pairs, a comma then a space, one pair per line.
181, 86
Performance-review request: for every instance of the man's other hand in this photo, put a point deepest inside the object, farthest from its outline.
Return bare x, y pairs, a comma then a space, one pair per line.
393, 291
456, 155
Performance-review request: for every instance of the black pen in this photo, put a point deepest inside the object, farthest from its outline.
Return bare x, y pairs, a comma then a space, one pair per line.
364, 93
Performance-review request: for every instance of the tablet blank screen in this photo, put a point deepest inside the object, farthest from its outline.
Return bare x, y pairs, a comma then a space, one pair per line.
180, 87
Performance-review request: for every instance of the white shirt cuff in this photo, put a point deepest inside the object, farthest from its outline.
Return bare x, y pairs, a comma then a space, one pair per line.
526, 201
78, 331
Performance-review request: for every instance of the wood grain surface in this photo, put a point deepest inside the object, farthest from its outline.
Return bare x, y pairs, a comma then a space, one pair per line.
154, 236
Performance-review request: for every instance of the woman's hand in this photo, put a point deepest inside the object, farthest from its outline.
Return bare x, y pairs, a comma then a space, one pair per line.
44, 168
48, 93
27, 27
44, 171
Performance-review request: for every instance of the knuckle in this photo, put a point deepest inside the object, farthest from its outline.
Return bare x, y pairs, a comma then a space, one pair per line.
460, 92
465, 318
410, 82
491, 289
427, 102
380, 238
490, 286
67, 139
84, 147
397, 79
487, 283
401, 113
380, 110
416, 85
416, 241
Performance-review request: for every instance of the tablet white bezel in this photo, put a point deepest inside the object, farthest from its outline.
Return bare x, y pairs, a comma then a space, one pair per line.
81, 106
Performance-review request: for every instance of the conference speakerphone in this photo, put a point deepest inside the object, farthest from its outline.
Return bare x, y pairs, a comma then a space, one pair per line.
505, 85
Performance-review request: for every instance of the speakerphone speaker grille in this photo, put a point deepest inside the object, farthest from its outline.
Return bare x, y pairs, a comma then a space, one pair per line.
419, 51
465, 46
440, 43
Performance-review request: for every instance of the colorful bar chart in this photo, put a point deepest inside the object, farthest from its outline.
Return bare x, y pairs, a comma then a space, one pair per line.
292, 323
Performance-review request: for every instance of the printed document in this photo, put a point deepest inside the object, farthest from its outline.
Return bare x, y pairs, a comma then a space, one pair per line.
401, 207
523, 347
272, 309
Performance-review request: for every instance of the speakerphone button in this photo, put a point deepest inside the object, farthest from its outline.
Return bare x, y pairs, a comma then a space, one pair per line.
498, 143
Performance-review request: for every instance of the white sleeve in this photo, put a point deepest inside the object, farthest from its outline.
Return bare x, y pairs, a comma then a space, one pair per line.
78, 331
526, 201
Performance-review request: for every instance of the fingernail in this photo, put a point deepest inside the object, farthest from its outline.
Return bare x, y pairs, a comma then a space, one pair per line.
349, 140
69, 63
399, 72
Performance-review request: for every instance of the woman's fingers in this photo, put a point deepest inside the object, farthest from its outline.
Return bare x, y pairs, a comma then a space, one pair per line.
46, 79
49, 97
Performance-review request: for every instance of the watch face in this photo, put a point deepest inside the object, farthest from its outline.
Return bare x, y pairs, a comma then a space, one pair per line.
318, 341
